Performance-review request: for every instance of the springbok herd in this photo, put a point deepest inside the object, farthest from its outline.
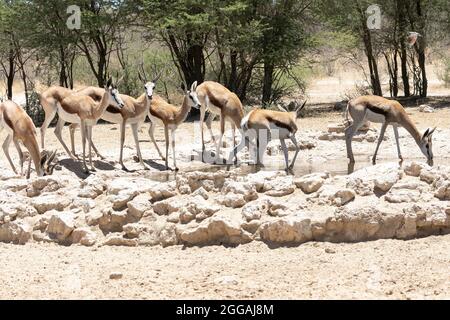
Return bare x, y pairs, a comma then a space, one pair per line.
85, 107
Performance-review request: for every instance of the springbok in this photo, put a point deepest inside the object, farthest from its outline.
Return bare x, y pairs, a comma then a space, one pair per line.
388, 112
84, 110
170, 117
49, 100
21, 128
134, 113
259, 122
218, 100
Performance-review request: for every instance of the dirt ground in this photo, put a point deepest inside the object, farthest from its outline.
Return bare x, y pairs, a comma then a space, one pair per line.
384, 269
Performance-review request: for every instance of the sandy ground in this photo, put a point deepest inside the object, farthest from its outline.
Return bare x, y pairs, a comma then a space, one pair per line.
385, 269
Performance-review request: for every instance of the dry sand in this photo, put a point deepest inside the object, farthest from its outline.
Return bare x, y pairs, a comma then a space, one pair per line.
385, 269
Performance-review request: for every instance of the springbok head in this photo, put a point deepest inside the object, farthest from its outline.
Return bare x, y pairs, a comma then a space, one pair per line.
426, 145
114, 95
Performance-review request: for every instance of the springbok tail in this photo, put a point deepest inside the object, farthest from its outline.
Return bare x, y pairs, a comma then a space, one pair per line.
244, 122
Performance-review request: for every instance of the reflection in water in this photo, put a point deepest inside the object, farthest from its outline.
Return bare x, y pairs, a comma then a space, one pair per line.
302, 168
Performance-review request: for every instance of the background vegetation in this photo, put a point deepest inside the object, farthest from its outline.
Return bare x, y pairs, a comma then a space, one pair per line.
264, 50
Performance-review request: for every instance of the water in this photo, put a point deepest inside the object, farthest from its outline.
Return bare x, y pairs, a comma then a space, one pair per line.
334, 167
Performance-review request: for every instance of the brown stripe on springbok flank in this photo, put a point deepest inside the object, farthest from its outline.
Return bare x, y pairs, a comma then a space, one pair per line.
112, 109
212, 98
8, 120
377, 110
281, 124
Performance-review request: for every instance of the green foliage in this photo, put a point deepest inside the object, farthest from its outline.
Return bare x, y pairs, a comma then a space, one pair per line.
257, 48
34, 109
444, 72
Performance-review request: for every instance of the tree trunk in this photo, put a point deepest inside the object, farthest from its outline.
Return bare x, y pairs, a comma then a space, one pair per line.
191, 63
373, 68
101, 75
25, 86
62, 73
232, 85
404, 67
371, 59
268, 82
23, 74
401, 9
393, 73
10, 75
420, 48
424, 87
395, 80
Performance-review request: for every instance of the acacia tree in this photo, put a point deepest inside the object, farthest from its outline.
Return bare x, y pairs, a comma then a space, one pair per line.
184, 27
236, 44
102, 24
351, 16
8, 52
282, 42
51, 36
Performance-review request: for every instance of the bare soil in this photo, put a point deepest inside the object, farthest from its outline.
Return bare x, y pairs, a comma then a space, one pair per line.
384, 269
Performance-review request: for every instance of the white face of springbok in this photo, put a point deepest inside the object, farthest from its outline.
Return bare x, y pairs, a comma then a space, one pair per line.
150, 88
114, 95
426, 145
193, 97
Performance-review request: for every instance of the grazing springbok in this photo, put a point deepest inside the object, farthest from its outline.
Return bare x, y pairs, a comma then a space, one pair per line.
170, 117
21, 128
279, 124
218, 100
388, 112
84, 110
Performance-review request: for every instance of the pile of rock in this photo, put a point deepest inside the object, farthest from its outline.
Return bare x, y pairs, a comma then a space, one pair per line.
225, 207
425, 108
336, 131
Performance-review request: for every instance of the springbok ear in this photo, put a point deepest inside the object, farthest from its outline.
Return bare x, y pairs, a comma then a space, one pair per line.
194, 86
426, 133
281, 108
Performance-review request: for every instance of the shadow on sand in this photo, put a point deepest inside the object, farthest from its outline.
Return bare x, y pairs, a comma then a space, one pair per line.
76, 166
